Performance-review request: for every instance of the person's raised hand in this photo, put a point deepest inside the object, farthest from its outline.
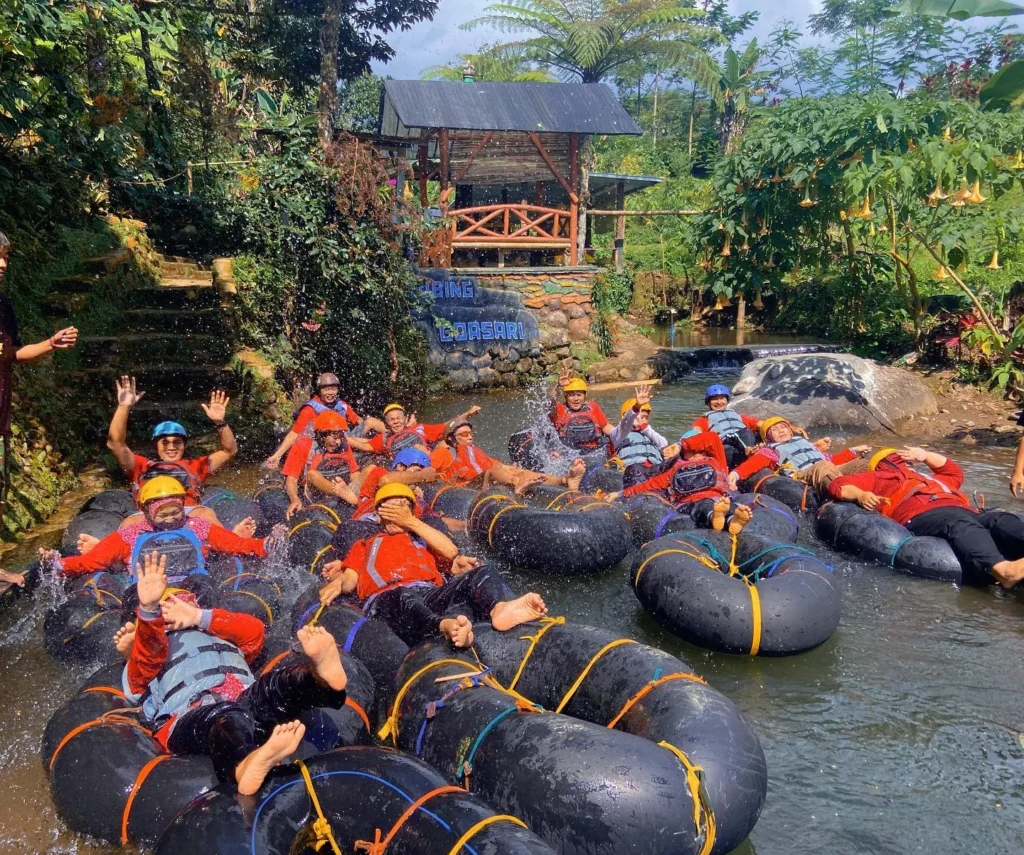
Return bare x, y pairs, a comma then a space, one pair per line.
463, 564
152, 573
49, 559
217, 409
670, 451
411, 421
564, 375
179, 614
472, 411
64, 339
127, 396
913, 454
643, 394
870, 501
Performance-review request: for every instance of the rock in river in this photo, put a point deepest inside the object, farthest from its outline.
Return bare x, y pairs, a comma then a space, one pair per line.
831, 390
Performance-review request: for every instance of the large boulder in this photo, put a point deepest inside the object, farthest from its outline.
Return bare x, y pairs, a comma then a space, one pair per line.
831, 390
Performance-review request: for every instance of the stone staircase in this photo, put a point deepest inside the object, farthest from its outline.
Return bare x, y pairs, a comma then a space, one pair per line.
174, 337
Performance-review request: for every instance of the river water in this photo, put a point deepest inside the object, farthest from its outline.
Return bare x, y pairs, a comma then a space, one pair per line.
901, 734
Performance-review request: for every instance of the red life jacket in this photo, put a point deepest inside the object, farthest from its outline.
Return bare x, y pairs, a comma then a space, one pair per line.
460, 467
579, 429
405, 438
696, 479
393, 560
180, 473
918, 484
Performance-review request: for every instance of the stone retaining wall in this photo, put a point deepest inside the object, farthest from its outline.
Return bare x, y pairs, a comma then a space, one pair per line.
504, 328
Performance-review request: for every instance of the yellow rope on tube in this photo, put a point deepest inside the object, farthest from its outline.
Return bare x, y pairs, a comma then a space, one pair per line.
701, 808
321, 827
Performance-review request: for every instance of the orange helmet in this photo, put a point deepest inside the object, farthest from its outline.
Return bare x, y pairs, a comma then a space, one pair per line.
329, 420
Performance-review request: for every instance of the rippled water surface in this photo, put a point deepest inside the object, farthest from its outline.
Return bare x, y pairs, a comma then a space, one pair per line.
901, 734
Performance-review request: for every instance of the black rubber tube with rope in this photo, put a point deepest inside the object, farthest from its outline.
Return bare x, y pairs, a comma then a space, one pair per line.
592, 675
581, 538
637, 796
745, 595
352, 800
865, 534
792, 493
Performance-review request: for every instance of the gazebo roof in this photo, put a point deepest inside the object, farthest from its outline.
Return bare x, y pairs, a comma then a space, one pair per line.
410, 107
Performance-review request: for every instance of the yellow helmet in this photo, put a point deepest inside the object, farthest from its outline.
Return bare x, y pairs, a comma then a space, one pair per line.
768, 424
394, 491
577, 385
878, 457
391, 407
161, 487
628, 405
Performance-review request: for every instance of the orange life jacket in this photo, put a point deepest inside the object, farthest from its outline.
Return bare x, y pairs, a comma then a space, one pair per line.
393, 560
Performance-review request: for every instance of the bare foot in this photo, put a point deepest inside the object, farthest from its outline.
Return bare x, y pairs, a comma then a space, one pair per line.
1009, 573
458, 630
740, 517
283, 743
124, 639
576, 473
513, 613
246, 528
322, 650
86, 543
718, 514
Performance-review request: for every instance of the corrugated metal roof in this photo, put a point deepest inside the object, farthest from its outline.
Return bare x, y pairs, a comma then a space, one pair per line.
578, 108
604, 184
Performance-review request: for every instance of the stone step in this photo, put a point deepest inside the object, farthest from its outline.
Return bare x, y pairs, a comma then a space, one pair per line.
125, 351
175, 321
197, 296
202, 279
182, 271
101, 265
164, 382
80, 283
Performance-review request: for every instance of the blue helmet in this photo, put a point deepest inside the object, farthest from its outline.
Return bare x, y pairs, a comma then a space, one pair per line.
411, 457
715, 390
169, 429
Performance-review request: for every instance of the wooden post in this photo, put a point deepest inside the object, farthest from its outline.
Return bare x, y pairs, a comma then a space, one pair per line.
574, 205
539, 194
423, 175
620, 225
741, 314
188, 176
442, 141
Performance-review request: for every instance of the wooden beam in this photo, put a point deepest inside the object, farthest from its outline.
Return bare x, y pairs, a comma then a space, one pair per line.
469, 160
423, 174
620, 225
538, 195
574, 207
566, 186
442, 137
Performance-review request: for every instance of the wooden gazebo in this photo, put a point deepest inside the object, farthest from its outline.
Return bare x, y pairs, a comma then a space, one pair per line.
506, 157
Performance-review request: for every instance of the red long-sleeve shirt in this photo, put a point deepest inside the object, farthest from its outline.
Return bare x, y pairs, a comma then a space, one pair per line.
703, 424
709, 446
114, 548
151, 648
887, 480
768, 458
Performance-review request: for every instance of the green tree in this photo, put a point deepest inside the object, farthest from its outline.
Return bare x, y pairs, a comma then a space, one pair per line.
492, 64
740, 81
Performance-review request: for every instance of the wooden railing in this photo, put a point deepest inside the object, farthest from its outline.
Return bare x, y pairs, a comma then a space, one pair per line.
511, 226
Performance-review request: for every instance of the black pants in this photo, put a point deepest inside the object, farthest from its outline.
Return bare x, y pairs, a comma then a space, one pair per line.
980, 541
414, 612
702, 511
640, 472
230, 731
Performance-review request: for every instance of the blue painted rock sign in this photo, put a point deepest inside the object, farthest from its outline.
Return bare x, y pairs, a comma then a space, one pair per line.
461, 315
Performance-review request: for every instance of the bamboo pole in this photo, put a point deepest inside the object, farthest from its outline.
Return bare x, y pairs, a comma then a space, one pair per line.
670, 213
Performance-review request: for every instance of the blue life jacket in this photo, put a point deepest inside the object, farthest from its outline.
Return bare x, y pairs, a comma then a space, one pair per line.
797, 453
725, 422
197, 662
181, 546
637, 448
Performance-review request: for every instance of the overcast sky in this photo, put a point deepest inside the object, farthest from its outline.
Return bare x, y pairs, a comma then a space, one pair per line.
440, 41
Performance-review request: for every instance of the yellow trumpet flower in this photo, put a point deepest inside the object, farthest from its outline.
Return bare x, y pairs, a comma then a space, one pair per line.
722, 303
911, 145
941, 273
959, 199
807, 202
727, 249
1019, 162
866, 213
975, 197
994, 263
937, 195
758, 302
746, 245
947, 135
